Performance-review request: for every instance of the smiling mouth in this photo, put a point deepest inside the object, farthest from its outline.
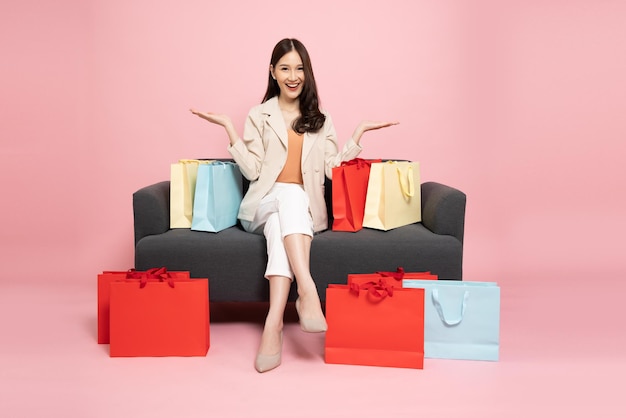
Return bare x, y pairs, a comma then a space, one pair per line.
293, 86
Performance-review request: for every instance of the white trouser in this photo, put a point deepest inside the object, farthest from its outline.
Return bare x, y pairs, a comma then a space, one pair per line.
283, 211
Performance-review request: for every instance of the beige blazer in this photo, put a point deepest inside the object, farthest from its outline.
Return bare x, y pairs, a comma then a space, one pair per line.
262, 153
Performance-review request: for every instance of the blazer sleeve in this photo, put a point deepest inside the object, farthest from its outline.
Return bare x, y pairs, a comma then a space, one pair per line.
249, 151
332, 156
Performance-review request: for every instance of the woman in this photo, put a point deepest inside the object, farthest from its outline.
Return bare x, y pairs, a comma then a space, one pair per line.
289, 146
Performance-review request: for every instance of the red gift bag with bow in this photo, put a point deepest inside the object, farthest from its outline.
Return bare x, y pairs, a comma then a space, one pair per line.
349, 191
374, 324
394, 278
159, 318
106, 278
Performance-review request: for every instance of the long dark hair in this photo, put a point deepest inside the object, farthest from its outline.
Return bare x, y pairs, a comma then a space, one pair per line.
311, 118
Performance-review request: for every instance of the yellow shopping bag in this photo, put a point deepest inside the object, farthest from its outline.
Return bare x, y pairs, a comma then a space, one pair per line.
393, 195
183, 176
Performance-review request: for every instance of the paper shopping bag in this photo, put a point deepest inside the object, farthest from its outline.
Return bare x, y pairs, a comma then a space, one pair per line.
160, 319
392, 278
106, 278
367, 328
183, 176
393, 195
349, 189
462, 319
219, 190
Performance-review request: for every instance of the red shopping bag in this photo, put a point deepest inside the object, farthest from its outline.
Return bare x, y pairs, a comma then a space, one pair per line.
159, 319
107, 277
392, 278
376, 325
349, 190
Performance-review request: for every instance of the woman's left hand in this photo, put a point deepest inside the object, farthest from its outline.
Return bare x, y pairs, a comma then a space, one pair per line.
368, 125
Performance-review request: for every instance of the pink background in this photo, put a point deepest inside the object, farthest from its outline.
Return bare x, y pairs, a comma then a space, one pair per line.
520, 104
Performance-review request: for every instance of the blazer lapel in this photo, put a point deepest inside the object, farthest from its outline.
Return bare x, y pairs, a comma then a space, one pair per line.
275, 119
277, 123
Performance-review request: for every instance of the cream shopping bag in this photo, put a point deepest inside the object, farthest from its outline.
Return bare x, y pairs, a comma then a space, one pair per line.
393, 195
183, 176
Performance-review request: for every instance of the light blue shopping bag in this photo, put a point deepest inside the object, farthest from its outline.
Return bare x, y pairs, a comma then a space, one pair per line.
461, 319
217, 197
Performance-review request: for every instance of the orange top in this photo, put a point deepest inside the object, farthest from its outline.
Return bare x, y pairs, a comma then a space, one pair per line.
292, 172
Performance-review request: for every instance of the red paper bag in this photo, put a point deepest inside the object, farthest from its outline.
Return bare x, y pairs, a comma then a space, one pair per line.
107, 277
349, 190
158, 319
392, 278
375, 326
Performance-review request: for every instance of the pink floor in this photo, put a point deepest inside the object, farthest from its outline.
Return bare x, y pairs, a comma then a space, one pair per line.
563, 353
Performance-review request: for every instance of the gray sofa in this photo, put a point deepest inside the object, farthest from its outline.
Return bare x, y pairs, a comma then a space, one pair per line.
234, 260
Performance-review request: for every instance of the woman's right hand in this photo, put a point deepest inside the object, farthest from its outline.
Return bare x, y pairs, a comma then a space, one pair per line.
222, 120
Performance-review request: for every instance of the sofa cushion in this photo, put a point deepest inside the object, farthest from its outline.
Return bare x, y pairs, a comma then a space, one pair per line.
234, 260
334, 255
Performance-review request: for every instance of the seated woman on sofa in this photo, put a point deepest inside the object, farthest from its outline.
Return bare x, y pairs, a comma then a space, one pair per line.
288, 147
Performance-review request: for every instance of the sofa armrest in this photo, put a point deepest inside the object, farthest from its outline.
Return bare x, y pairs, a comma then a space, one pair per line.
151, 209
443, 209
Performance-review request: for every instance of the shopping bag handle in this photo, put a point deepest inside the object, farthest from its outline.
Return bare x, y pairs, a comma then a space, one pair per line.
435, 296
406, 183
194, 161
224, 164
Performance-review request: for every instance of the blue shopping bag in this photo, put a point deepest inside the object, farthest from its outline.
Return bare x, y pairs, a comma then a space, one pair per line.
461, 319
218, 194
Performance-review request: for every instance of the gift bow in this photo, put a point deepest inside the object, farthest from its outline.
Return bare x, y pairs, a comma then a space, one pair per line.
378, 289
398, 274
155, 274
359, 162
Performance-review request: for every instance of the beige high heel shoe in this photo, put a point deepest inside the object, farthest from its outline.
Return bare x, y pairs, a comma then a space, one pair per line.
265, 363
311, 325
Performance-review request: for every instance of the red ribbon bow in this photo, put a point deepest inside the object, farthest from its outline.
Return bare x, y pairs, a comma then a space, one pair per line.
155, 274
398, 274
359, 162
377, 289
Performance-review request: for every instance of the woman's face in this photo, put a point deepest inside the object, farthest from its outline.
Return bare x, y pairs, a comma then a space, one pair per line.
289, 74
